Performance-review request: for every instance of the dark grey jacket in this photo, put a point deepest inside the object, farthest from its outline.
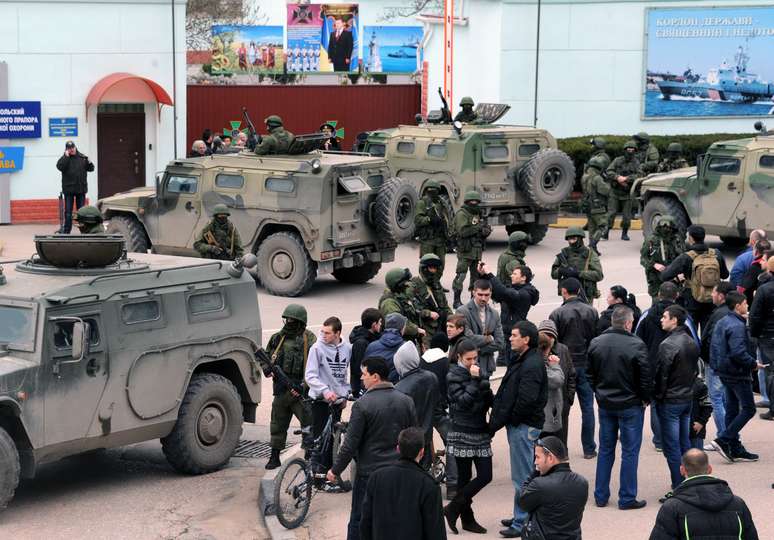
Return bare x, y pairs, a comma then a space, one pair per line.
556, 500
618, 370
677, 365
478, 333
577, 325
74, 169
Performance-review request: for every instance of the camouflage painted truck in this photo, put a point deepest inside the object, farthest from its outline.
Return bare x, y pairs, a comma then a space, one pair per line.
730, 192
99, 351
304, 214
521, 175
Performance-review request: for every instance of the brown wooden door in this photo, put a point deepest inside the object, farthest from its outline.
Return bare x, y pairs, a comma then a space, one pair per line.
121, 152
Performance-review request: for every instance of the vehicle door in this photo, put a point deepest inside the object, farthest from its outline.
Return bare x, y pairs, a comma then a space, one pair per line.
721, 188
349, 191
492, 179
757, 206
232, 188
179, 215
74, 386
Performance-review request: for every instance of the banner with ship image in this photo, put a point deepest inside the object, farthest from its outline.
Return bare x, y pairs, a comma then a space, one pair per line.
709, 62
392, 49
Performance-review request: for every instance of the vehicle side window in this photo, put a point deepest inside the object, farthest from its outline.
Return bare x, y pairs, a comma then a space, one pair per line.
767, 162
496, 152
377, 150
63, 333
375, 180
182, 184
280, 185
723, 165
205, 302
405, 147
233, 181
138, 312
526, 150
436, 150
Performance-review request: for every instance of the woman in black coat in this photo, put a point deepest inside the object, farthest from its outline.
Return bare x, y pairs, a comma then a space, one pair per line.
470, 398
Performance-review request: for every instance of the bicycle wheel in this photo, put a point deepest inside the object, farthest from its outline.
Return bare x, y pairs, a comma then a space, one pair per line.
292, 493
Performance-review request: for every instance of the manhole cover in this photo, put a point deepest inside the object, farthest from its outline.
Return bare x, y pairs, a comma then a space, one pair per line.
254, 449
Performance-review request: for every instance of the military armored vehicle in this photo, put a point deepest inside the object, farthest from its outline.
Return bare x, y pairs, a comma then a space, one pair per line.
302, 215
98, 350
521, 175
730, 192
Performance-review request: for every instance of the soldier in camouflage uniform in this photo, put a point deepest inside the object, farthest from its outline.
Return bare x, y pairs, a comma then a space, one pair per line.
647, 153
599, 145
659, 249
674, 158
398, 297
595, 200
431, 223
466, 114
89, 220
621, 174
219, 239
517, 247
288, 349
470, 231
429, 296
578, 261
278, 140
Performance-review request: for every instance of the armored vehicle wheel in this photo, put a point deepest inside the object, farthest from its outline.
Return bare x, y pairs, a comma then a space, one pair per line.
535, 231
285, 267
208, 426
547, 178
132, 231
357, 274
662, 206
396, 203
9, 468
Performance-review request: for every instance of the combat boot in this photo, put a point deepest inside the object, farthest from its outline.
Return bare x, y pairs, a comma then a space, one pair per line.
625, 234
274, 459
457, 298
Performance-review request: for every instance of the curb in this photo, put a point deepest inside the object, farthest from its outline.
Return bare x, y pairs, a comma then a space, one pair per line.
567, 221
266, 499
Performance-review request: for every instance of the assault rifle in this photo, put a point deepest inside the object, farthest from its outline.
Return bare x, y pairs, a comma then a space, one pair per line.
446, 117
253, 138
270, 369
582, 291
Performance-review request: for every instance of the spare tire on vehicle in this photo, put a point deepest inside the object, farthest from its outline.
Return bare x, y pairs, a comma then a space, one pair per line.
547, 178
394, 209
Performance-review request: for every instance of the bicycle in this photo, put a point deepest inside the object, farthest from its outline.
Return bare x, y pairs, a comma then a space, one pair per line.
300, 478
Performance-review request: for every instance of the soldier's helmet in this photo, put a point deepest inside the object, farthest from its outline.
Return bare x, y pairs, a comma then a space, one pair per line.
642, 137
396, 276
220, 210
630, 144
598, 142
675, 148
598, 162
472, 196
433, 184
467, 100
295, 311
430, 259
273, 121
574, 231
88, 214
518, 237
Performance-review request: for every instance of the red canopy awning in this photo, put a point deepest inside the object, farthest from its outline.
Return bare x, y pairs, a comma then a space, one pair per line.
106, 83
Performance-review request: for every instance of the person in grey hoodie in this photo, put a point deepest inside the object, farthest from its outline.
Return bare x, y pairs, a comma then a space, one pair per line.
389, 342
326, 375
555, 403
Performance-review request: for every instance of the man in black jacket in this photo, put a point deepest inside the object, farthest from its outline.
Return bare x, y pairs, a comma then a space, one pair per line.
374, 424
703, 507
74, 167
554, 495
369, 329
762, 327
683, 264
518, 406
619, 373
577, 324
714, 384
676, 370
402, 500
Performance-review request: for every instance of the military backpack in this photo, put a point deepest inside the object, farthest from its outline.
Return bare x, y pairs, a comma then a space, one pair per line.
705, 275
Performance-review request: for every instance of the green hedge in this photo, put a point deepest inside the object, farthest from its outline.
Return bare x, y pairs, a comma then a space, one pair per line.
579, 149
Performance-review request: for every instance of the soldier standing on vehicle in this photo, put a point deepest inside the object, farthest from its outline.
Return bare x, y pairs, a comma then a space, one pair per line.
663, 246
595, 200
89, 220
399, 297
428, 292
289, 349
580, 262
431, 223
219, 239
647, 153
471, 232
674, 158
517, 247
278, 140
621, 173
466, 114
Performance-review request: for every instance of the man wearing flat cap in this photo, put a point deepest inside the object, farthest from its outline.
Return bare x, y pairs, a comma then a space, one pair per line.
73, 166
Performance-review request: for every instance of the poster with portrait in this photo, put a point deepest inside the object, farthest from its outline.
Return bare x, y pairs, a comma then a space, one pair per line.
709, 62
238, 49
392, 49
322, 37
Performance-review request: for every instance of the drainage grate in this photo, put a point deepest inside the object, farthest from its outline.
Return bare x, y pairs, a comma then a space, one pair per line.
253, 449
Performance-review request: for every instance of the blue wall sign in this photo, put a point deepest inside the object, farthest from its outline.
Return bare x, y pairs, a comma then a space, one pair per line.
11, 159
63, 127
19, 119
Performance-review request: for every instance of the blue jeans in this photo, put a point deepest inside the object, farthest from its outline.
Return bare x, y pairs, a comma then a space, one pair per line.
586, 400
740, 408
521, 441
697, 443
762, 381
69, 198
629, 423
675, 421
717, 398
358, 495
655, 426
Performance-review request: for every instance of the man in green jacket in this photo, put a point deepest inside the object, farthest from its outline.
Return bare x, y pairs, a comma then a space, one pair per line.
219, 239
596, 192
647, 153
431, 223
621, 173
399, 297
517, 247
659, 249
278, 140
470, 231
578, 261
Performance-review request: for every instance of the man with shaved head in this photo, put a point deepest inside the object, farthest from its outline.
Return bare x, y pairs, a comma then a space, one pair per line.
744, 260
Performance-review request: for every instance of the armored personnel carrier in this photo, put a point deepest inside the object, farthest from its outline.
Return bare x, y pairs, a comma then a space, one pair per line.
302, 214
98, 350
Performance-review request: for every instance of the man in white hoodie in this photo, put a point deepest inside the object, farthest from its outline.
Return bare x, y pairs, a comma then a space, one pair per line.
326, 376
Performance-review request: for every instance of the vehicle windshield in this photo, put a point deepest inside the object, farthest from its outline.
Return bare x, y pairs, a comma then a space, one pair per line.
17, 326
